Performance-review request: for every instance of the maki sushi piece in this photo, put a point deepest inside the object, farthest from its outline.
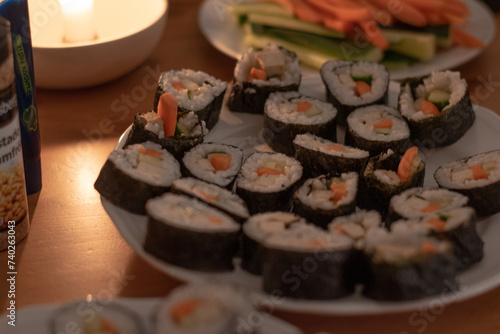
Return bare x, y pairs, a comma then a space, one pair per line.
203, 309
389, 174
213, 195
420, 202
305, 249
187, 233
111, 318
321, 199
437, 108
256, 230
267, 181
289, 114
195, 91
351, 85
188, 131
458, 226
477, 177
260, 72
403, 265
133, 175
320, 156
214, 163
376, 129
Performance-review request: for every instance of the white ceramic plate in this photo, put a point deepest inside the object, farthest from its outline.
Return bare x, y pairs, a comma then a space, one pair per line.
35, 319
243, 131
222, 31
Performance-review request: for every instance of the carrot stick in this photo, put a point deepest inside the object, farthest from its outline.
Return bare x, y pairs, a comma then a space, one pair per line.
436, 19
108, 327
435, 6
214, 220
303, 106
429, 108
374, 35
335, 148
386, 123
339, 190
220, 161
454, 19
255, 73
343, 3
478, 173
178, 85
167, 110
337, 25
283, 3
404, 12
268, 171
432, 207
382, 16
437, 223
456, 7
153, 153
362, 88
428, 247
406, 162
464, 39
305, 12
184, 308
354, 14
339, 229
207, 196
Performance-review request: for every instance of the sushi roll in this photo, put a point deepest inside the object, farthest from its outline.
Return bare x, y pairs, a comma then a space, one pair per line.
187, 233
261, 72
437, 108
458, 226
420, 202
195, 91
307, 262
320, 156
376, 129
351, 85
111, 318
133, 175
213, 195
189, 132
257, 229
214, 163
321, 199
477, 177
389, 174
204, 309
291, 113
407, 266
267, 181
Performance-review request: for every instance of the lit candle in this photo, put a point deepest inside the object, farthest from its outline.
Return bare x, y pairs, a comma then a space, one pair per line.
78, 16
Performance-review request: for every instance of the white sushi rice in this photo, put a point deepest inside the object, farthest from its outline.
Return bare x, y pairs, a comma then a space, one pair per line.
189, 213
127, 161
196, 161
315, 193
291, 74
229, 307
356, 225
315, 143
455, 218
448, 81
202, 93
490, 161
308, 238
216, 195
409, 203
362, 120
262, 225
282, 107
189, 121
345, 95
250, 180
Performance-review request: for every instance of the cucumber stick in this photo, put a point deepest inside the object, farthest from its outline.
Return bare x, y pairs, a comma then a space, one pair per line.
421, 46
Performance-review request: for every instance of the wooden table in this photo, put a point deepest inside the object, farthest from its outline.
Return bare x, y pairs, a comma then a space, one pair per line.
74, 249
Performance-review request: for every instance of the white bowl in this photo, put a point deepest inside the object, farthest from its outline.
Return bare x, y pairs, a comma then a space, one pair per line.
127, 33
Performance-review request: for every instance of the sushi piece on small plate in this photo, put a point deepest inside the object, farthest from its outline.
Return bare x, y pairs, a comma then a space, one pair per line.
267, 181
422, 201
351, 85
213, 195
256, 230
376, 129
189, 131
320, 156
405, 265
437, 108
291, 113
458, 226
214, 163
133, 175
195, 91
477, 177
321, 199
260, 72
190, 234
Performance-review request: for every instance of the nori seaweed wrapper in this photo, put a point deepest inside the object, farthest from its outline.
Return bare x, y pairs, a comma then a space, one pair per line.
375, 194
251, 255
316, 275
264, 202
176, 145
443, 129
422, 276
204, 251
125, 191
